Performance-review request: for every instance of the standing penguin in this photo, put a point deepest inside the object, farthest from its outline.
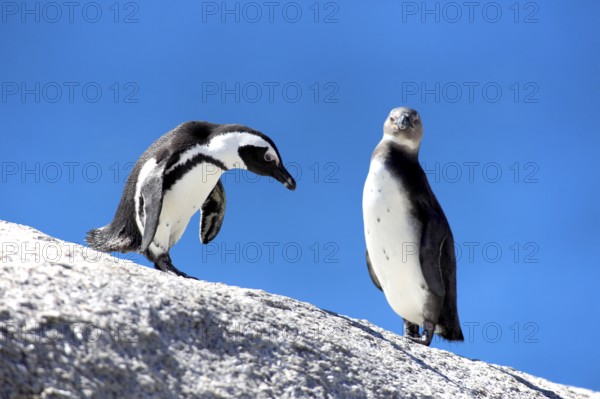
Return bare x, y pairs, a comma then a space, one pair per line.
178, 175
410, 248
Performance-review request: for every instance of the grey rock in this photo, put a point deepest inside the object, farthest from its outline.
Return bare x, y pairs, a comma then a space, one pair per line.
78, 323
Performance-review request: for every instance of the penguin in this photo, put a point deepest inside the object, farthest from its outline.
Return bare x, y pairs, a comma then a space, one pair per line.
410, 247
177, 176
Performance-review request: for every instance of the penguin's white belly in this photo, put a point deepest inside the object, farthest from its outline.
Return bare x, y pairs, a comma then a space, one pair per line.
393, 239
181, 202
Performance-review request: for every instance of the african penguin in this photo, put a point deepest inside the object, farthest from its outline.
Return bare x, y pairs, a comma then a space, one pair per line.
410, 248
177, 176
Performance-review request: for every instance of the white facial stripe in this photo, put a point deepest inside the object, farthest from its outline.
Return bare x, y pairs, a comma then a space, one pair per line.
224, 147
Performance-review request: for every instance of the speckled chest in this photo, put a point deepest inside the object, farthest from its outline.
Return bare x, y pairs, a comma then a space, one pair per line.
392, 235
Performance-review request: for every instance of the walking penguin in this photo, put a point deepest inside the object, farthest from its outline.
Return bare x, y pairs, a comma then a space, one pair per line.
410, 248
177, 176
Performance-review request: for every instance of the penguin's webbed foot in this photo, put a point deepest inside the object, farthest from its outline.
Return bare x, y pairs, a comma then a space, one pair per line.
411, 331
165, 264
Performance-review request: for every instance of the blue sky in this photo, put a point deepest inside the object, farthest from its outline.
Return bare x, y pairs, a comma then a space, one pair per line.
508, 93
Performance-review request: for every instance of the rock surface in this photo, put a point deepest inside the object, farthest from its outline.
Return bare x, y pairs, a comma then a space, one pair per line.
77, 323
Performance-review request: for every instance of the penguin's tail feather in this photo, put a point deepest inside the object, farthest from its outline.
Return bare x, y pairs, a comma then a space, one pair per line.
106, 239
451, 327
453, 334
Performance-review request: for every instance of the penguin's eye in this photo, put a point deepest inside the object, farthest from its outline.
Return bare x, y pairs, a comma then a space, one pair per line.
269, 157
392, 119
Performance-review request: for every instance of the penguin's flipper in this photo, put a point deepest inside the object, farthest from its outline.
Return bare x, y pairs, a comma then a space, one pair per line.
372, 273
213, 213
433, 236
152, 196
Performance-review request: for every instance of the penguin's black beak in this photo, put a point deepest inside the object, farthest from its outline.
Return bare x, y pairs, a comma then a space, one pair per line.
283, 176
404, 122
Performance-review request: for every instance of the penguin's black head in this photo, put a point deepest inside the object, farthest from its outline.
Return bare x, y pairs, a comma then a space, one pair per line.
403, 126
260, 156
